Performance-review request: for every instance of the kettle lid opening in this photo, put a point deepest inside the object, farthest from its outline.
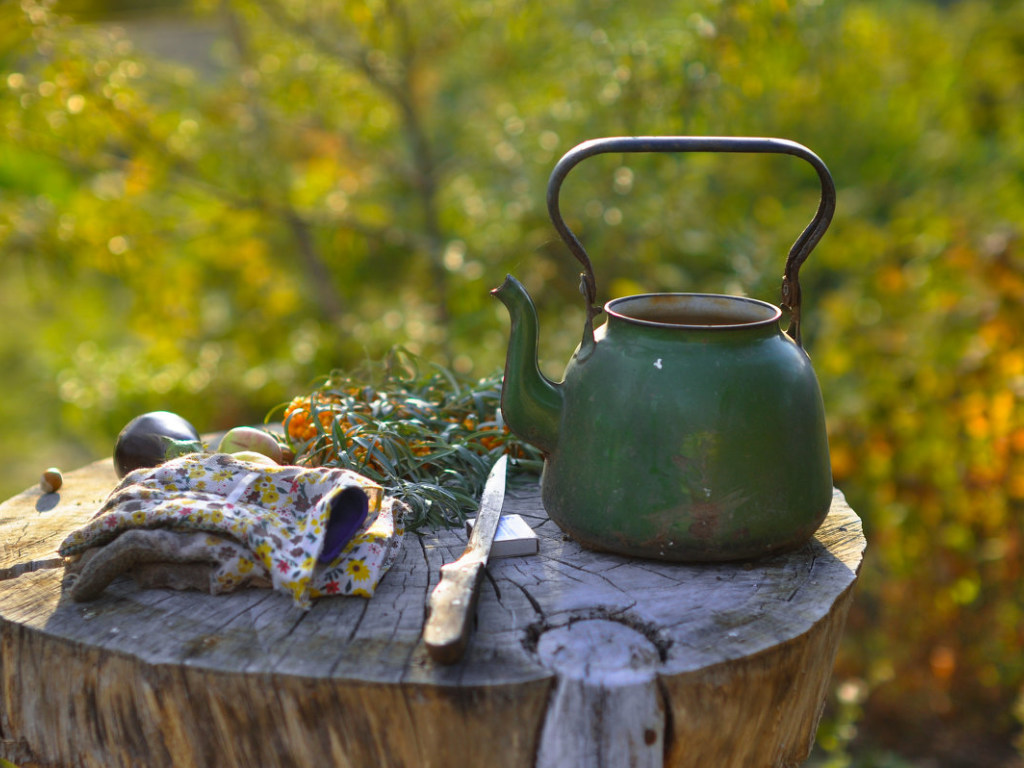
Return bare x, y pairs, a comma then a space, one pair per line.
693, 310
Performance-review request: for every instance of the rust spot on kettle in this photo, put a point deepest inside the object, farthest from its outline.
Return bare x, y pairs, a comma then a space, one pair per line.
706, 517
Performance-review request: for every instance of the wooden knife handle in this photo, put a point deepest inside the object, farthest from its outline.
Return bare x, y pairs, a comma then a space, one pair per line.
452, 605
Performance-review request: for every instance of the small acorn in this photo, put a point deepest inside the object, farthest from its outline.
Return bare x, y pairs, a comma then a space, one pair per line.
51, 480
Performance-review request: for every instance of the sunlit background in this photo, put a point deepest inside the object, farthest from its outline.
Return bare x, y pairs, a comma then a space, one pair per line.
206, 206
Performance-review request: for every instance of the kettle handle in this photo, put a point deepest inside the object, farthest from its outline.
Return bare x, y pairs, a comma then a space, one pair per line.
799, 252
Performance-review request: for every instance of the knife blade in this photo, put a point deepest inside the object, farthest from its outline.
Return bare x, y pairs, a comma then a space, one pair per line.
453, 601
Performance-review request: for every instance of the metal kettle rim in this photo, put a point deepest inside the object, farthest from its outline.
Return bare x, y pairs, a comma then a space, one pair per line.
771, 313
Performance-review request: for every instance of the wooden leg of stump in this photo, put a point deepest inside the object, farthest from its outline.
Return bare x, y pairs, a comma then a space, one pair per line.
606, 709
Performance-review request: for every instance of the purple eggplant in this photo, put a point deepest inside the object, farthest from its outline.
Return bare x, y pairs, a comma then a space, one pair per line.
153, 438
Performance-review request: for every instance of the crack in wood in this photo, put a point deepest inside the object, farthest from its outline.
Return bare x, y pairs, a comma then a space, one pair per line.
364, 609
809, 570
298, 620
572, 566
20, 569
530, 598
493, 582
665, 699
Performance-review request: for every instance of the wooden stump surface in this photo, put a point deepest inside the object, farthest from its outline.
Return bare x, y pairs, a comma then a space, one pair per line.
578, 658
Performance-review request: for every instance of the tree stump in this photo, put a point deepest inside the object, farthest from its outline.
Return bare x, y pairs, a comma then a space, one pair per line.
578, 658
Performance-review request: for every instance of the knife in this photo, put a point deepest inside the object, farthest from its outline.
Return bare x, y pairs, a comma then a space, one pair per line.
453, 600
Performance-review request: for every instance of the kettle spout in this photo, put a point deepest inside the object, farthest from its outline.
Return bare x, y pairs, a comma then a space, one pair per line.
530, 402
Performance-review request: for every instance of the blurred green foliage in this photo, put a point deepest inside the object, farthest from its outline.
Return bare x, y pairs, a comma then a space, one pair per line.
346, 176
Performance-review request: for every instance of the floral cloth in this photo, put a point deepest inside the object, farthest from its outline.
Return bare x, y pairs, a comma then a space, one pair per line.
307, 532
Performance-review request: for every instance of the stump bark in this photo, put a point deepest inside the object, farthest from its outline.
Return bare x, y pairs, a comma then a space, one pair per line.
578, 658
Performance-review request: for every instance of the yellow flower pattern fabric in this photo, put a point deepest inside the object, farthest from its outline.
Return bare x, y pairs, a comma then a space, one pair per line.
307, 532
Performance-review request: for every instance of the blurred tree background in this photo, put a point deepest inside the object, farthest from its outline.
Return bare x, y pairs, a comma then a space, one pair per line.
206, 207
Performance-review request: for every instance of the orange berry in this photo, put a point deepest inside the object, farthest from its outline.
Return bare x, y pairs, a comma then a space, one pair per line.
296, 423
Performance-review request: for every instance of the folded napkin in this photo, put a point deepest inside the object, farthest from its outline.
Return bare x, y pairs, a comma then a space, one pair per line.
218, 522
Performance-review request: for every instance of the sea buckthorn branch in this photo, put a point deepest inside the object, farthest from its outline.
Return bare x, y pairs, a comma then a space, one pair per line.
426, 434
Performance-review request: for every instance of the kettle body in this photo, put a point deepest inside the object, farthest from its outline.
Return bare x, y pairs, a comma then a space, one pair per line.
694, 431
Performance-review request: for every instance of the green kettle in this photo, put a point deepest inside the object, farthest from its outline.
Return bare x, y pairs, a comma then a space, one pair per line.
687, 427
